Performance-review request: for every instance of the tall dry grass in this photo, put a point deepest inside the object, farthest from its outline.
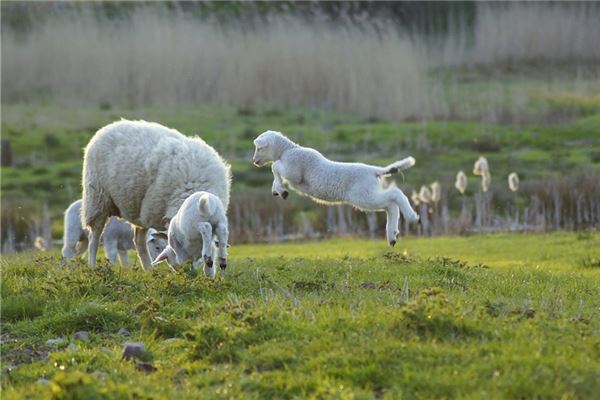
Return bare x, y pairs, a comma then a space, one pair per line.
155, 57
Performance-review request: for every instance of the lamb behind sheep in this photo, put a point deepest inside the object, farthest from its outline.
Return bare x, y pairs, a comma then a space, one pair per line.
191, 232
117, 237
142, 172
308, 172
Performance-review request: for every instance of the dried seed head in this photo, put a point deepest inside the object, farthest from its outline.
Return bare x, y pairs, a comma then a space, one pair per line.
415, 198
485, 182
425, 195
436, 192
481, 167
461, 182
40, 244
513, 181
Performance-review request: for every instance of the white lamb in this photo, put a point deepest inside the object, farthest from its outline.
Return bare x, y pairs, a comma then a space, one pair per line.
142, 172
309, 173
192, 231
117, 237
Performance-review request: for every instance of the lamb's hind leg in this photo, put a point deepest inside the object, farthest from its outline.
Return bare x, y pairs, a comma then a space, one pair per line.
391, 226
377, 201
402, 201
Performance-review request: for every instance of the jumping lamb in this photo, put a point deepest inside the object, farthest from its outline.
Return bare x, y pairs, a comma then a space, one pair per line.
142, 172
192, 231
309, 173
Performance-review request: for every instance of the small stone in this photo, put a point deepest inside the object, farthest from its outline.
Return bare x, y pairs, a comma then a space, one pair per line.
55, 341
123, 332
171, 340
42, 381
133, 350
144, 367
82, 335
72, 347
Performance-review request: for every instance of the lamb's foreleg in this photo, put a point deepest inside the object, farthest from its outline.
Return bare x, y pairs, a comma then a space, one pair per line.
278, 189
207, 248
222, 233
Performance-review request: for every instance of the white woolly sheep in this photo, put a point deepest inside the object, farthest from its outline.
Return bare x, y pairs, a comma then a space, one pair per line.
309, 173
200, 219
142, 172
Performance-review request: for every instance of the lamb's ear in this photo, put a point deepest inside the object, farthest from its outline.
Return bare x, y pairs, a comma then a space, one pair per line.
162, 256
159, 235
165, 221
261, 142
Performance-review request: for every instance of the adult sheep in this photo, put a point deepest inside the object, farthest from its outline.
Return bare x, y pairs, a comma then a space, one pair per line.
142, 172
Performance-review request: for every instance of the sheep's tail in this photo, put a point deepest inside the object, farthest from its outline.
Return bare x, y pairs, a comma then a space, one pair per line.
397, 166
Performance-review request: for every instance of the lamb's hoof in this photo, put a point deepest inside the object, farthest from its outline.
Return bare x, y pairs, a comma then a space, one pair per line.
284, 194
223, 264
392, 243
208, 261
275, 194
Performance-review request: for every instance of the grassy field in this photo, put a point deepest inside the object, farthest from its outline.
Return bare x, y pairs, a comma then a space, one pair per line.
490, 316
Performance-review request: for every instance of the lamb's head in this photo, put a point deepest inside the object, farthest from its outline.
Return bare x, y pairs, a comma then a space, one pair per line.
156, 242
172, 252
269, 146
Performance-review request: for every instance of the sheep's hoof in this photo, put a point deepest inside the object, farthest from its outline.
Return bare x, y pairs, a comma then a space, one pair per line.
392, 243
284, 194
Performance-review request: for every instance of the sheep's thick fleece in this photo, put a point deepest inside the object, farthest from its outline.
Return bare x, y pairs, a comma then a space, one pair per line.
142, 172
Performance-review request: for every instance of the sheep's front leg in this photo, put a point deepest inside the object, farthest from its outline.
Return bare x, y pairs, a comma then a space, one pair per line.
222, 233
278, 189
141, 247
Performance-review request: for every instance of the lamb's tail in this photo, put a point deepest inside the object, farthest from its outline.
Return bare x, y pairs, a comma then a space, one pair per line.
397, 166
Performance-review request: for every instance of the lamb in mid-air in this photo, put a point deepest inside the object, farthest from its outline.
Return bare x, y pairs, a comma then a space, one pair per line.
117, 237
309, 173
192, 232
142, 172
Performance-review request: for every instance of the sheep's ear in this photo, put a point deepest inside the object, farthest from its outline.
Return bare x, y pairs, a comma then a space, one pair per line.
159, 235
162, 256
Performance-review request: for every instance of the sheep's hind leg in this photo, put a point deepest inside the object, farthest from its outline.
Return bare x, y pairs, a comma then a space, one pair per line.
95, 232
141, 247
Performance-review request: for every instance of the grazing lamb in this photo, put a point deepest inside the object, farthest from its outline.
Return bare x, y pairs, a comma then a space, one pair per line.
117, 237
192, 231
142, 172
75, 238
308, 172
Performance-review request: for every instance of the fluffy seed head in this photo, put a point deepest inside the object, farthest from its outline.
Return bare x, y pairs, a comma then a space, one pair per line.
513, 181
481, 167
425, 195
461, 182
415, 198
436, 192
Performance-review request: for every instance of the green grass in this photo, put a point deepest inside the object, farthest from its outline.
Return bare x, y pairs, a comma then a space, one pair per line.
490, 316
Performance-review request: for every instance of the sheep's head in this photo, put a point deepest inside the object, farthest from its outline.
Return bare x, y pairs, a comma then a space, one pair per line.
266, 149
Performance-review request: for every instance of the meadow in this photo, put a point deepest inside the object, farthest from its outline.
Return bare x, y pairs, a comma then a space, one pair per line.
488, 316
